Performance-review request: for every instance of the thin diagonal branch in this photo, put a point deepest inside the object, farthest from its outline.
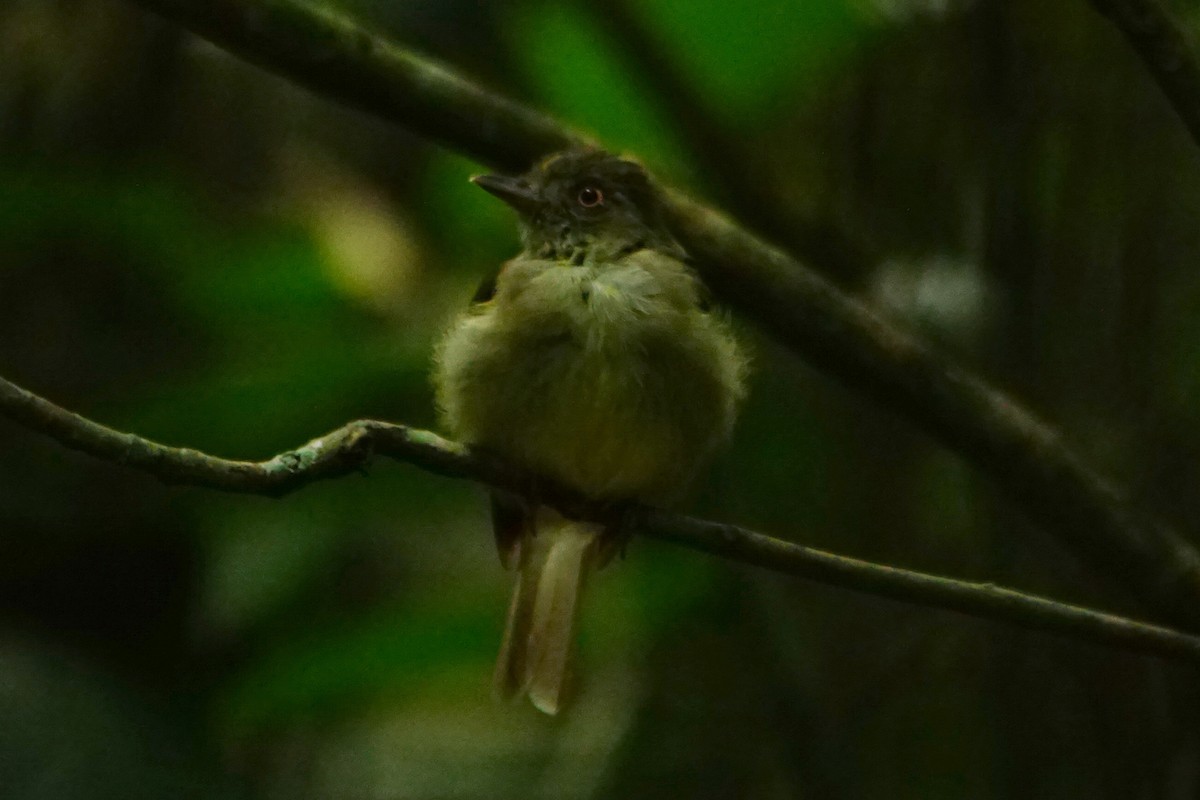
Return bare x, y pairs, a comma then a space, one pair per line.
1166, 49
1020, 452
349, 448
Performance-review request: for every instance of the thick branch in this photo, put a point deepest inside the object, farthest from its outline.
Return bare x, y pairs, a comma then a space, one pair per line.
1165, 48
332, 55
349, 448
1020, 452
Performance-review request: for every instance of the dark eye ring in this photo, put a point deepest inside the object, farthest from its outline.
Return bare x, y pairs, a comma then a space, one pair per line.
590, 197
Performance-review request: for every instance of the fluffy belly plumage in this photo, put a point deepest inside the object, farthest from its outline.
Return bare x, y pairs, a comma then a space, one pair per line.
618, 399
602, 423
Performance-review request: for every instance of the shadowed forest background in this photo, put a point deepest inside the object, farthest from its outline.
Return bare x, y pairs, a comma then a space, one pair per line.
199, 252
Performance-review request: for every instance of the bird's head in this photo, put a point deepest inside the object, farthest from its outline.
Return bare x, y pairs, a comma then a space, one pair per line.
583, 205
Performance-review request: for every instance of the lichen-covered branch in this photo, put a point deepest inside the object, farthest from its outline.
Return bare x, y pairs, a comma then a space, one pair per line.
1166, 49
349, 448
1021, 453
334, 455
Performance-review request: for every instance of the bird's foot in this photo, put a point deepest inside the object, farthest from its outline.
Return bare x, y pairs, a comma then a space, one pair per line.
618, 530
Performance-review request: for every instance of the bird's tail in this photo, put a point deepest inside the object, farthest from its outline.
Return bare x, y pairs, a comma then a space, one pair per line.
535, 654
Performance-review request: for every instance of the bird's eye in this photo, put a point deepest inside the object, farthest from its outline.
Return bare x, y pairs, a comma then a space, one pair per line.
590, 197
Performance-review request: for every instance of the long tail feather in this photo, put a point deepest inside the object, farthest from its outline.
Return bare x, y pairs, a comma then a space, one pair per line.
509, 679
535, 655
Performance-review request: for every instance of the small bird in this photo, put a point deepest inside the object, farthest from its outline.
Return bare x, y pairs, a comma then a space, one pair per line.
591, 358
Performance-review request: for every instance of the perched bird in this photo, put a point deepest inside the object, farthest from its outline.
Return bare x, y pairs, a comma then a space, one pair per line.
591, 358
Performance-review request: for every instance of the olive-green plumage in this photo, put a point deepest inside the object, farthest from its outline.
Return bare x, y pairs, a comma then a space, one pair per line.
592, 360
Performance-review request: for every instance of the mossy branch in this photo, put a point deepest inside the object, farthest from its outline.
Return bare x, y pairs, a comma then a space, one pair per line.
350, 448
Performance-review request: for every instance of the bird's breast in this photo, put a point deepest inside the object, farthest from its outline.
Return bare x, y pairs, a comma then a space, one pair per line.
603, 378
596, 307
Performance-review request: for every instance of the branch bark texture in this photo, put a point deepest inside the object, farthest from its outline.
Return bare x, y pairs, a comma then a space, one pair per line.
350, 448
334, 56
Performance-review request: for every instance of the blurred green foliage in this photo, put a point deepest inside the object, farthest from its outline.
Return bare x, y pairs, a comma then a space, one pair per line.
758, 58
201, 254
575, 73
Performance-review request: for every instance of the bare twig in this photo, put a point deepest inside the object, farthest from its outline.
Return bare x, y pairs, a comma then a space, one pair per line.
1019, 451
1165, 48
349, 448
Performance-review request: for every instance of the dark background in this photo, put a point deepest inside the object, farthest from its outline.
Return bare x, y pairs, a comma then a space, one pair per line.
198, 252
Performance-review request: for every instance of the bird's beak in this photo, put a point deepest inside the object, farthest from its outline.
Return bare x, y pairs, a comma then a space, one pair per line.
514, 191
